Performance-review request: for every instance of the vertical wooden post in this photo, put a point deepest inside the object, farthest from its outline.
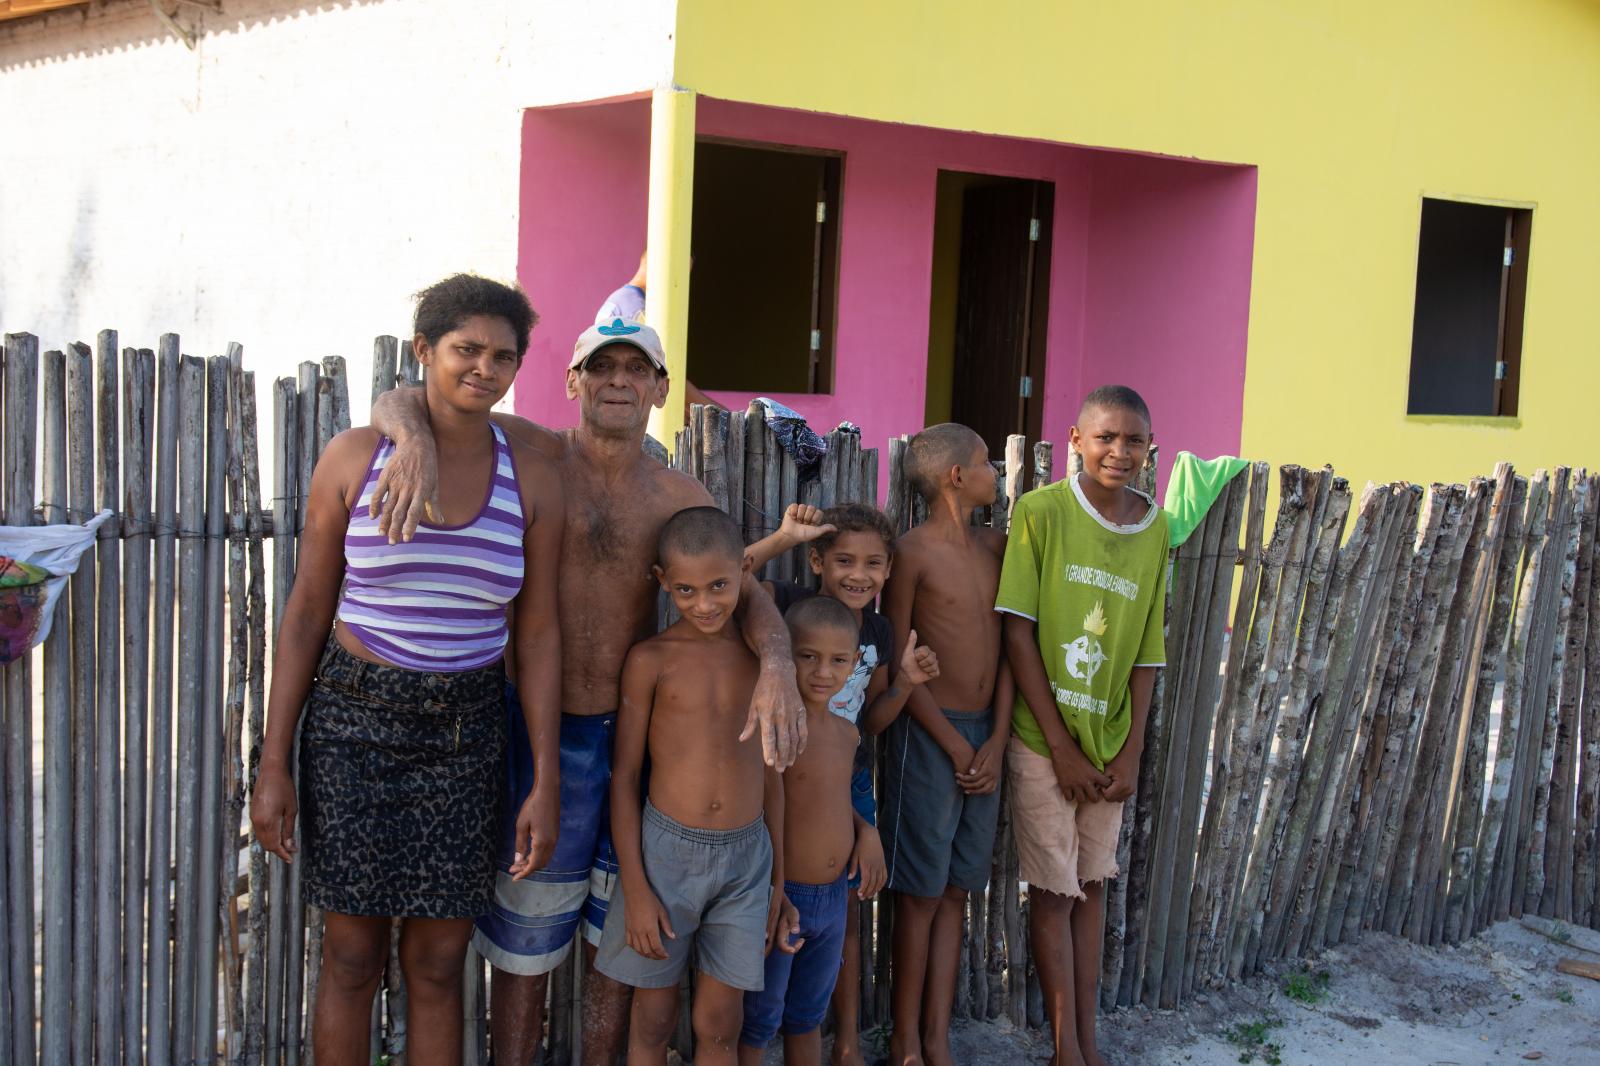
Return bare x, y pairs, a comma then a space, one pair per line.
80, 488
1206, 895
254, 998
1584, 846
108, 715
1556, 899
1504, 553
190, 712
56, 902
755, 470
210, 706
1043, 464
1495, 839
733, 423
281, 1029
895, 504
21, 422
1545, 785
158, 1010
1533, 793
138, 381
385, 365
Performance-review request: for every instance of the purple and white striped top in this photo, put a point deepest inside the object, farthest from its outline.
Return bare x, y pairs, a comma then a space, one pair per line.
437, 602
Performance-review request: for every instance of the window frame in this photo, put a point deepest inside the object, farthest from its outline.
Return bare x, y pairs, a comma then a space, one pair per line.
1512, 311
826, 257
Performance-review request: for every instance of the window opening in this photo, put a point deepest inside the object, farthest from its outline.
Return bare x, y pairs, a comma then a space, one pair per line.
766, 248
1466, 334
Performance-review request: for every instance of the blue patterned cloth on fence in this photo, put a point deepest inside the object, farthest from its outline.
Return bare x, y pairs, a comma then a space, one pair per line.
797, 438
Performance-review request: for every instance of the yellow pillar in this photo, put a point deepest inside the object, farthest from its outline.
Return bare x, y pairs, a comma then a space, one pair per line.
671, 216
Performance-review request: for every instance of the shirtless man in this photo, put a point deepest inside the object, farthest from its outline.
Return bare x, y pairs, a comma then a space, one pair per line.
940, 806
617, 500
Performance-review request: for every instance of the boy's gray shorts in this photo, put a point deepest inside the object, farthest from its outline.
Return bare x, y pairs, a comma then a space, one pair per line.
716, 886
935, 835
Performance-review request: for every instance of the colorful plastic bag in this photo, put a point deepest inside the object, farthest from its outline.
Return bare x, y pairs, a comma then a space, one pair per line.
35, 562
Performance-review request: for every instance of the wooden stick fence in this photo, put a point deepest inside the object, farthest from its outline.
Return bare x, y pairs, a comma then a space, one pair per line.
1395, 726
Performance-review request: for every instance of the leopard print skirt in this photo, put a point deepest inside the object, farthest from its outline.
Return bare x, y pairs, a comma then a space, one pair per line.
400, 787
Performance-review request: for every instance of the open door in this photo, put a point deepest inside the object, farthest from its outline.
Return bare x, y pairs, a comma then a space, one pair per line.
996, 354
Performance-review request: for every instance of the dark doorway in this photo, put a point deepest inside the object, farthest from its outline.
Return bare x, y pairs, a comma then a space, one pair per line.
766, 248
1466, 333
990, 304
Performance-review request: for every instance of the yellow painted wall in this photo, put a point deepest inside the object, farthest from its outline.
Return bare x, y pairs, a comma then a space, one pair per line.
1352, 111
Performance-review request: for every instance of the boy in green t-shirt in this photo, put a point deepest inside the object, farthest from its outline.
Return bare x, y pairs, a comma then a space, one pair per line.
1084, 591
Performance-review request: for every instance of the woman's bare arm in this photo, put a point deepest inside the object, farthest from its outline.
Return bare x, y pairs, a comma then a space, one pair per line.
303, 632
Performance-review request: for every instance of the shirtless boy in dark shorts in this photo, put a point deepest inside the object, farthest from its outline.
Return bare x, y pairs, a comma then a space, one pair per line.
940, 807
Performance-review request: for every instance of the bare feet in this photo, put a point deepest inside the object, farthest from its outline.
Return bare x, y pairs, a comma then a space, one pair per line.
905, 1052
936, 1050
847, 1053
1073, 1058
1092, 1057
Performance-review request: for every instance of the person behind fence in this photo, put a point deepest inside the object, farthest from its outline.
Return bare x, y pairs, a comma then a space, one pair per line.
618, 499
1083, 593
943, 758
395, 652
851, 552
701, 857
822, 852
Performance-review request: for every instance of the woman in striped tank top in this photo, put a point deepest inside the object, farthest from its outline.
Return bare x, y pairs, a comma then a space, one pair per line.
397, 652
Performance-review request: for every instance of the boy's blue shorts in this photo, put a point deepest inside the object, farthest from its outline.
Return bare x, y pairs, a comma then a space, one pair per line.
861, 797
798, 987
865, 804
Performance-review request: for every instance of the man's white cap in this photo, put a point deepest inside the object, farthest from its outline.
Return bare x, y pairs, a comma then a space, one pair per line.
633, 334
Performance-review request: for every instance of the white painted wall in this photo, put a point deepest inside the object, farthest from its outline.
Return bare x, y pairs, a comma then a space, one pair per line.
293, 178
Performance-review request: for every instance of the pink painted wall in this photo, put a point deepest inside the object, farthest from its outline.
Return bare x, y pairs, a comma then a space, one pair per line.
585, 173
1149, 275
886, 254
1167, 303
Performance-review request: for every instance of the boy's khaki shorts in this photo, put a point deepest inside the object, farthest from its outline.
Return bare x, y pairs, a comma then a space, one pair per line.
1061, 845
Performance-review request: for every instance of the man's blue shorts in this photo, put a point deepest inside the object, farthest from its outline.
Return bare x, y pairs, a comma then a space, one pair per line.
532, 923
798, 987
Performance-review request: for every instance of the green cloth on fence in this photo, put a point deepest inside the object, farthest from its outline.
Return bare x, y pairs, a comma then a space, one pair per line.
1193, 487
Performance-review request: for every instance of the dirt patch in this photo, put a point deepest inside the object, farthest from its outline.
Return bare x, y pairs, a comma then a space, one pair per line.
1496, 999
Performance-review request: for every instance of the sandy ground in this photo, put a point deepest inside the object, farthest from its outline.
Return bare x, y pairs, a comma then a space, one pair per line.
1494, 999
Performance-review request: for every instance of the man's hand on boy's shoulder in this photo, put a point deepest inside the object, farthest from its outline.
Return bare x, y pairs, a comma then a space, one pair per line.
1077, 778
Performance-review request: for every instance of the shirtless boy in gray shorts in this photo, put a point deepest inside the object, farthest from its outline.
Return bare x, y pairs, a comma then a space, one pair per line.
698, 869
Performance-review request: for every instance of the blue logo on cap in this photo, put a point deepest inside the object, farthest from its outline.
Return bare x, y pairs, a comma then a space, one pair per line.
618, 328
